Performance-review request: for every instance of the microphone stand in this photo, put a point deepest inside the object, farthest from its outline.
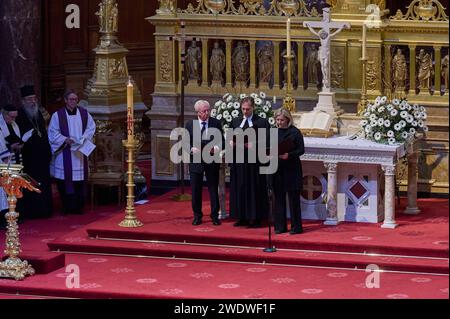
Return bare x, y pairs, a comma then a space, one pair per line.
271, 248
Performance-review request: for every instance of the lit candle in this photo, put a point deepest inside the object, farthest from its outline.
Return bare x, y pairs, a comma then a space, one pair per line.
288, 40
130, 111
364, 42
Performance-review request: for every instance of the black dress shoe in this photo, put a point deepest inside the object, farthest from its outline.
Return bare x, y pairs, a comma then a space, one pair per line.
216, 221
280, 231
197, 221
294, 231
241, 222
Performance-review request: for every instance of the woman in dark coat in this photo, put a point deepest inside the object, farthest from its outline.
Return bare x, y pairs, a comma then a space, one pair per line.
289, 178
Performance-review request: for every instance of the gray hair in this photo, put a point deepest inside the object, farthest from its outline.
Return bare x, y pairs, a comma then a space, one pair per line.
284, 112
199, 104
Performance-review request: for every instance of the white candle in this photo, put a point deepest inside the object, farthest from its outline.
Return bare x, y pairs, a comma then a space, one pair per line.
288, 39
130, 111
274, 99
364, 42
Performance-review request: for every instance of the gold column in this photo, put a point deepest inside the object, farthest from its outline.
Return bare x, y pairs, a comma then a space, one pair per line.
252, 64
437, 70
205, 63
229, 49
412, 69
276, 65
300, 65
388, 71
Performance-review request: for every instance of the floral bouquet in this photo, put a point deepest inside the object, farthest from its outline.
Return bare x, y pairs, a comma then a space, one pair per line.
392, 122
229, 108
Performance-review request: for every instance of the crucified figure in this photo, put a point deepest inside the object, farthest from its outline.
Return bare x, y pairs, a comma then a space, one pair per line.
325, 34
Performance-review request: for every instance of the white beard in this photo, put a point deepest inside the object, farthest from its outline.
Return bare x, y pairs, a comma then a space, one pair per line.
32, 111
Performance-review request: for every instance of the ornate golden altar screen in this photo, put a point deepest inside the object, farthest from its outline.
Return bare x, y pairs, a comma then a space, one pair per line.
239, 47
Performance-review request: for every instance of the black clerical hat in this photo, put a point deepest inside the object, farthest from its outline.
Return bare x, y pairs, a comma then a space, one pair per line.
9, 108
27, 90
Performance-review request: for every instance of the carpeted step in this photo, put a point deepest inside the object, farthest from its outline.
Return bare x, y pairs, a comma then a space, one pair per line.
250, 254
160, 278
43, 262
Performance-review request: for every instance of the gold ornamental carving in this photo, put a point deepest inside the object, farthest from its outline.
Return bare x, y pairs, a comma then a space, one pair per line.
338, 67
166, 7
372, 75
105, 88
12, 181
251, 7
423, 10
165, 61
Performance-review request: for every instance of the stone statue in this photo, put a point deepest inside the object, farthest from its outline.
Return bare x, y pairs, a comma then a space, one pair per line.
265, 62
312, 64
241, 61
100, 13
400, 70
325, 34
285, 66
193, 58
217, 63
114, 19
444, 71
425, 69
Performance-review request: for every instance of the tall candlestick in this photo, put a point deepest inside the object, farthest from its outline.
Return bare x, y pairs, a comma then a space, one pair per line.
130, 111
364, 42
288, 39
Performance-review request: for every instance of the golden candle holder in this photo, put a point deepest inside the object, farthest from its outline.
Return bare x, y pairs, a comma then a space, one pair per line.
289, 101
130, 220
12, 181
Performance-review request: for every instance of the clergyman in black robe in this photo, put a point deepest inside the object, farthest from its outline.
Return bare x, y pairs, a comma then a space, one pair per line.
36, 156
248, 187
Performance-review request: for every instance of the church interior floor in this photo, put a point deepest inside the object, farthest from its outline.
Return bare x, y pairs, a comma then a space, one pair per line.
170, 258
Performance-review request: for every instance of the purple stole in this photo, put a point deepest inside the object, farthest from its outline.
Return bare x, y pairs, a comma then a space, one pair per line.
67, 156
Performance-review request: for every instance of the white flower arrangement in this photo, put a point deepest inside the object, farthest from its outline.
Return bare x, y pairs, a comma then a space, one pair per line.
229, 107
392, 122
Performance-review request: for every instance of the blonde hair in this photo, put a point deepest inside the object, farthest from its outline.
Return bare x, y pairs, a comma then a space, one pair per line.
284, 112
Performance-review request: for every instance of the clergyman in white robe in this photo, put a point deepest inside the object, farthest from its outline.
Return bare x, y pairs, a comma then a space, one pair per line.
72, 188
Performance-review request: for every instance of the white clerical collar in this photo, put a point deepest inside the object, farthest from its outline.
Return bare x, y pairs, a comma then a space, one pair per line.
249, 119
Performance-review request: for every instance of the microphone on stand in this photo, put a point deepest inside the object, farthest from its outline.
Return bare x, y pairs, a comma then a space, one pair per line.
270, 248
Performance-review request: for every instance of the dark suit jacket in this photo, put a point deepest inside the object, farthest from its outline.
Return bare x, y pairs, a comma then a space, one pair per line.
201, 167
289, 176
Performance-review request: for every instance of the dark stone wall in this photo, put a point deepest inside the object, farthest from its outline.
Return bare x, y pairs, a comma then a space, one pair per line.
20, 53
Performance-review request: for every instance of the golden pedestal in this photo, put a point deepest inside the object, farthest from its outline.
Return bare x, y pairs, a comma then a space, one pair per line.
130, 220
12, 180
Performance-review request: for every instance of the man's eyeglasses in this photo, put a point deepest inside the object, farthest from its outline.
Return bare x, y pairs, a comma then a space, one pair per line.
204, 111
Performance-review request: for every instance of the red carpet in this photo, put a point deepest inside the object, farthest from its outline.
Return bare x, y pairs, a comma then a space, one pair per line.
163, 260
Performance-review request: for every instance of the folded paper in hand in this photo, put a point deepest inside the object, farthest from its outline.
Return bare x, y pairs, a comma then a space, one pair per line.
86, 148
285, 146
27, 135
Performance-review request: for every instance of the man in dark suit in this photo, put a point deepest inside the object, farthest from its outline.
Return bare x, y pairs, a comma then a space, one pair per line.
198, 130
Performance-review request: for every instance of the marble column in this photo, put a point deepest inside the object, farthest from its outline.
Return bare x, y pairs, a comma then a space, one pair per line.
276, 65
252, 64
332, 187
205, 63
412, 69
389, 197
437, 70
412, 208
229, 49
20, 55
